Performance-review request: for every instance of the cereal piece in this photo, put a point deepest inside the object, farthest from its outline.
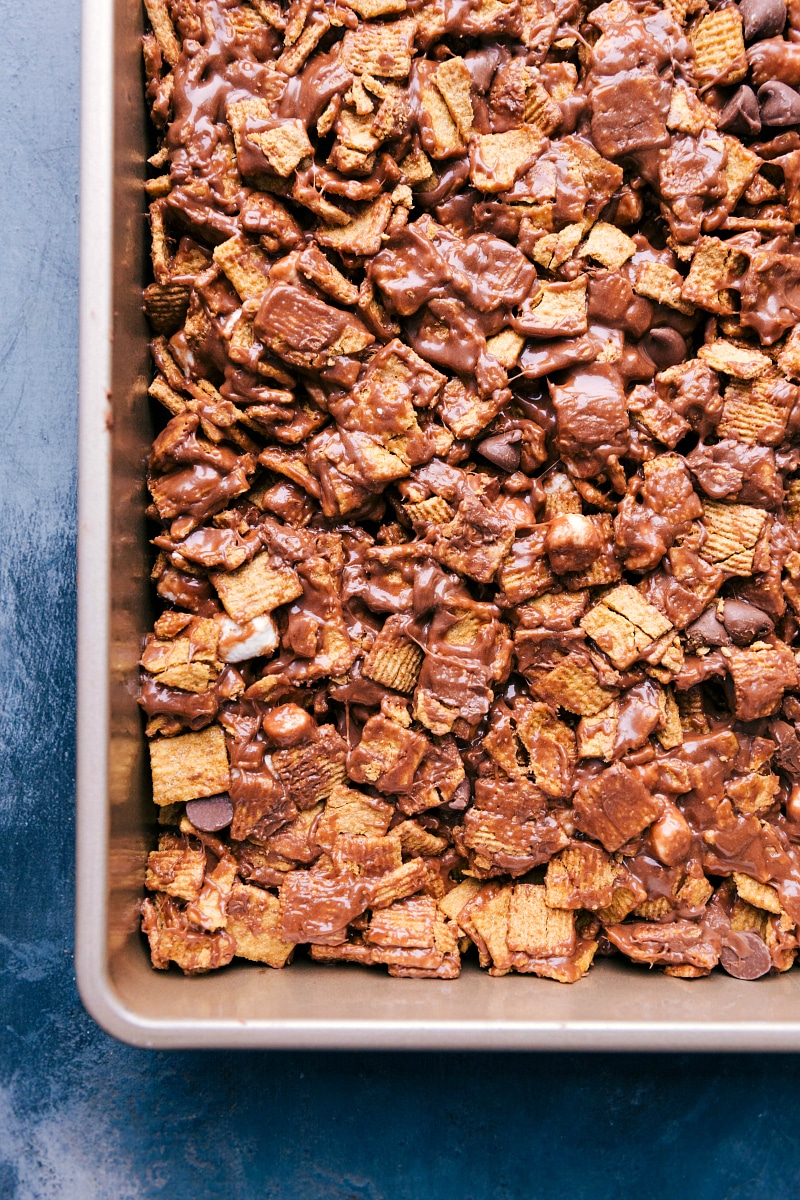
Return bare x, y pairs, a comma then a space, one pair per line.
453, 903
393, 660
759, 895
438, 778
171, 939
398, 884
670, 730
166, 305
463, 411
661, 283
575, 687
283, 147
752, 793
733, 360
634, 120
560, 495
597, 734
164, 30
757, 412
747, 918
488, 917
254, 923
564, 969
624, 625
209, 911
380, 50
352, 952
368, 10
316, 267
387, 755
760, 676
498, 159
525, 571
550, 745
715, 266
408, 923
608, 245
311, 771
453, 81
189, 766
355, 132
176, 868
293, 57
500, 844
732, 531
257, 587
553, 249
556, 611
541, 109
741, 168
556, 310
506, 347
476, 541
417, 841
189, 677
719, 47
317, 905
350, 812
159, 250
792, 503
657, 417
615, 807
367, 855
173, 402
789, 354
295, 840
687, 113
581, 876
246, 267
304, 331
624, 901
780, 935
363, 234
534, 927
678, 943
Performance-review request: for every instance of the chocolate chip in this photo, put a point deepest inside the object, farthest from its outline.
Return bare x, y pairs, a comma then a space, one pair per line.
708, 631
741, 113
780, 104
744, 622
665, 346
461, 797
745, 956
210, 814
787, 755
762, 18
502, 450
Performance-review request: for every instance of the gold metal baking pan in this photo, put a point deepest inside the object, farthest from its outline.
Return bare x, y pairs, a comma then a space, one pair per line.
616, 1007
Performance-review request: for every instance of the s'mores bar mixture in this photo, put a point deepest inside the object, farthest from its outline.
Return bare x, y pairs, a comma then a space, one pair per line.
476, 493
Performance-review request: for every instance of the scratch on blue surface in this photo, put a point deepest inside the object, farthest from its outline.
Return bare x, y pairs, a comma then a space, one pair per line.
57, 1156
30, 962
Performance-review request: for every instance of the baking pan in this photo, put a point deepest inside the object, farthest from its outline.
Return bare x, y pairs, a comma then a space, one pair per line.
616, 1007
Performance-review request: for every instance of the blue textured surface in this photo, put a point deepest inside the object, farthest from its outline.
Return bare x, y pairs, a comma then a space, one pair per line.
83, 1117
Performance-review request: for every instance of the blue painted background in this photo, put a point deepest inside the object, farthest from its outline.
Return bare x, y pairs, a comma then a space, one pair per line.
82, 1117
